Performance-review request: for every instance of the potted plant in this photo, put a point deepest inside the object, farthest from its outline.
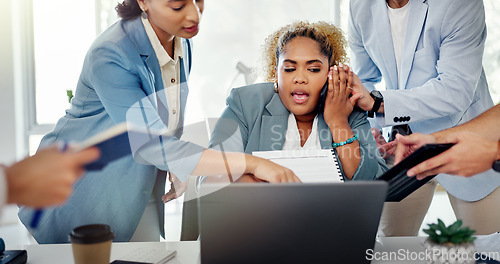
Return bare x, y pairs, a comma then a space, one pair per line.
452, 244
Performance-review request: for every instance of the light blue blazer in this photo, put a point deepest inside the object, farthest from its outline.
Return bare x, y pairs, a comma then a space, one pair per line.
121, 79
256, 111
442, 82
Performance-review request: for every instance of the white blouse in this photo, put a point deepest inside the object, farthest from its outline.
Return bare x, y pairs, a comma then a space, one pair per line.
170, 73
292, 137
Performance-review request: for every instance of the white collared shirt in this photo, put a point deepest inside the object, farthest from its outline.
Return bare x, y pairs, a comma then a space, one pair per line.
398, 18
292, 137
170, 73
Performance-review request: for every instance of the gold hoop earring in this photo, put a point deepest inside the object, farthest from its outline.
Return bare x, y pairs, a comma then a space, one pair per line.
275, 86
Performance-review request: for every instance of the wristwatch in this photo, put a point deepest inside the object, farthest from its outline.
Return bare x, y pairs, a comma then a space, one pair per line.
377, 96
496, 163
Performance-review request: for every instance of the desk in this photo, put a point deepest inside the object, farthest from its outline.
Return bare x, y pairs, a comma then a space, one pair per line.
188, 252
411, 247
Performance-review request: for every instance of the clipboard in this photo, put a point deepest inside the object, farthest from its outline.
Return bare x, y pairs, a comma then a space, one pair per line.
400, 185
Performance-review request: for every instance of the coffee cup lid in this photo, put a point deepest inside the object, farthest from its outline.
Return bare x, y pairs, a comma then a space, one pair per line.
89, 234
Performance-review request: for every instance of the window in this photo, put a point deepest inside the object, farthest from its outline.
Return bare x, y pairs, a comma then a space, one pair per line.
60, 42
59, 50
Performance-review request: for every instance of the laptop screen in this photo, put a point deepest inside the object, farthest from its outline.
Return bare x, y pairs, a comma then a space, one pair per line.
290, 223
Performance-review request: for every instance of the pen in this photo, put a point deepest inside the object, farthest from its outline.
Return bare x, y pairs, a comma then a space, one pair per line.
63, 146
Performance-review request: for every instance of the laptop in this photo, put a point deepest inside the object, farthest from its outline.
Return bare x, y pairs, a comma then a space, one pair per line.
290, 223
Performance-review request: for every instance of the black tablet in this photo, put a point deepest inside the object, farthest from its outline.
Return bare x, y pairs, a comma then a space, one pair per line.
400, 185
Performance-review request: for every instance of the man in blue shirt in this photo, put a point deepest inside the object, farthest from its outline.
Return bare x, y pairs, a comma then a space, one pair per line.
430, 56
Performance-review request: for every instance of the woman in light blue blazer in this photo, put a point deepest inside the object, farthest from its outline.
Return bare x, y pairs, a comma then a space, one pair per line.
137, 68
283, 114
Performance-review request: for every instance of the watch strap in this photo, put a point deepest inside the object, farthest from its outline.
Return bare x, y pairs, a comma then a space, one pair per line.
376, 105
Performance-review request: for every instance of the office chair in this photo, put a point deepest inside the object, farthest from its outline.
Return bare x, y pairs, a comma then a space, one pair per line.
190, 229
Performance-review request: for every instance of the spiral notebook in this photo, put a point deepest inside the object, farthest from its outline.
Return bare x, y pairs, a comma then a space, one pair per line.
311, 166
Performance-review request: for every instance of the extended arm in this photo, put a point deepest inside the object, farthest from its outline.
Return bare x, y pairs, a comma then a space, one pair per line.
486, 125
478, 138
165, 152
47, 177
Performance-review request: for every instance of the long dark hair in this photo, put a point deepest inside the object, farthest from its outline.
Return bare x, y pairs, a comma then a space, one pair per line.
128, 9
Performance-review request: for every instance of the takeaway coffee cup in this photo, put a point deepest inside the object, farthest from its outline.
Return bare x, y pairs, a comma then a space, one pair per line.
91, 244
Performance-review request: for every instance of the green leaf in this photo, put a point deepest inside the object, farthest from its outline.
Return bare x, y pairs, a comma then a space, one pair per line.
69, 93
430, 232
433, 226
434, 238
443, 240
441, 225
455, 227
457, 240
470, 239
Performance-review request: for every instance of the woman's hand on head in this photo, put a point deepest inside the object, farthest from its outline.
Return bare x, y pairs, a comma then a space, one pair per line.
339, 100
359, 91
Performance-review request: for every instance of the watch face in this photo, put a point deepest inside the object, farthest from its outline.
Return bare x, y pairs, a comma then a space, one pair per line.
376, 95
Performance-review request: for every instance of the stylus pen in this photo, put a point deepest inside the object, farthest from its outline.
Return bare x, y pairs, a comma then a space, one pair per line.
63, 146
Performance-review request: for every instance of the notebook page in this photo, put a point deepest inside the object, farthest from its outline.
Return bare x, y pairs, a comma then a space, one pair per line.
151, 254
311, 166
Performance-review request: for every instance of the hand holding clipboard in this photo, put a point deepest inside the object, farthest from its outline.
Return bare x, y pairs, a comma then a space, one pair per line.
400, 185
46, 178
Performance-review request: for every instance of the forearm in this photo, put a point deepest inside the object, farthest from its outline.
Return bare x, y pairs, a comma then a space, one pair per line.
234, 165
481, 153
381, 109
486, 124
213, 163
349, 154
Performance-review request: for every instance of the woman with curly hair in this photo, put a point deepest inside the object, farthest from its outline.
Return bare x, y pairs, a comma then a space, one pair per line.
282, 114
